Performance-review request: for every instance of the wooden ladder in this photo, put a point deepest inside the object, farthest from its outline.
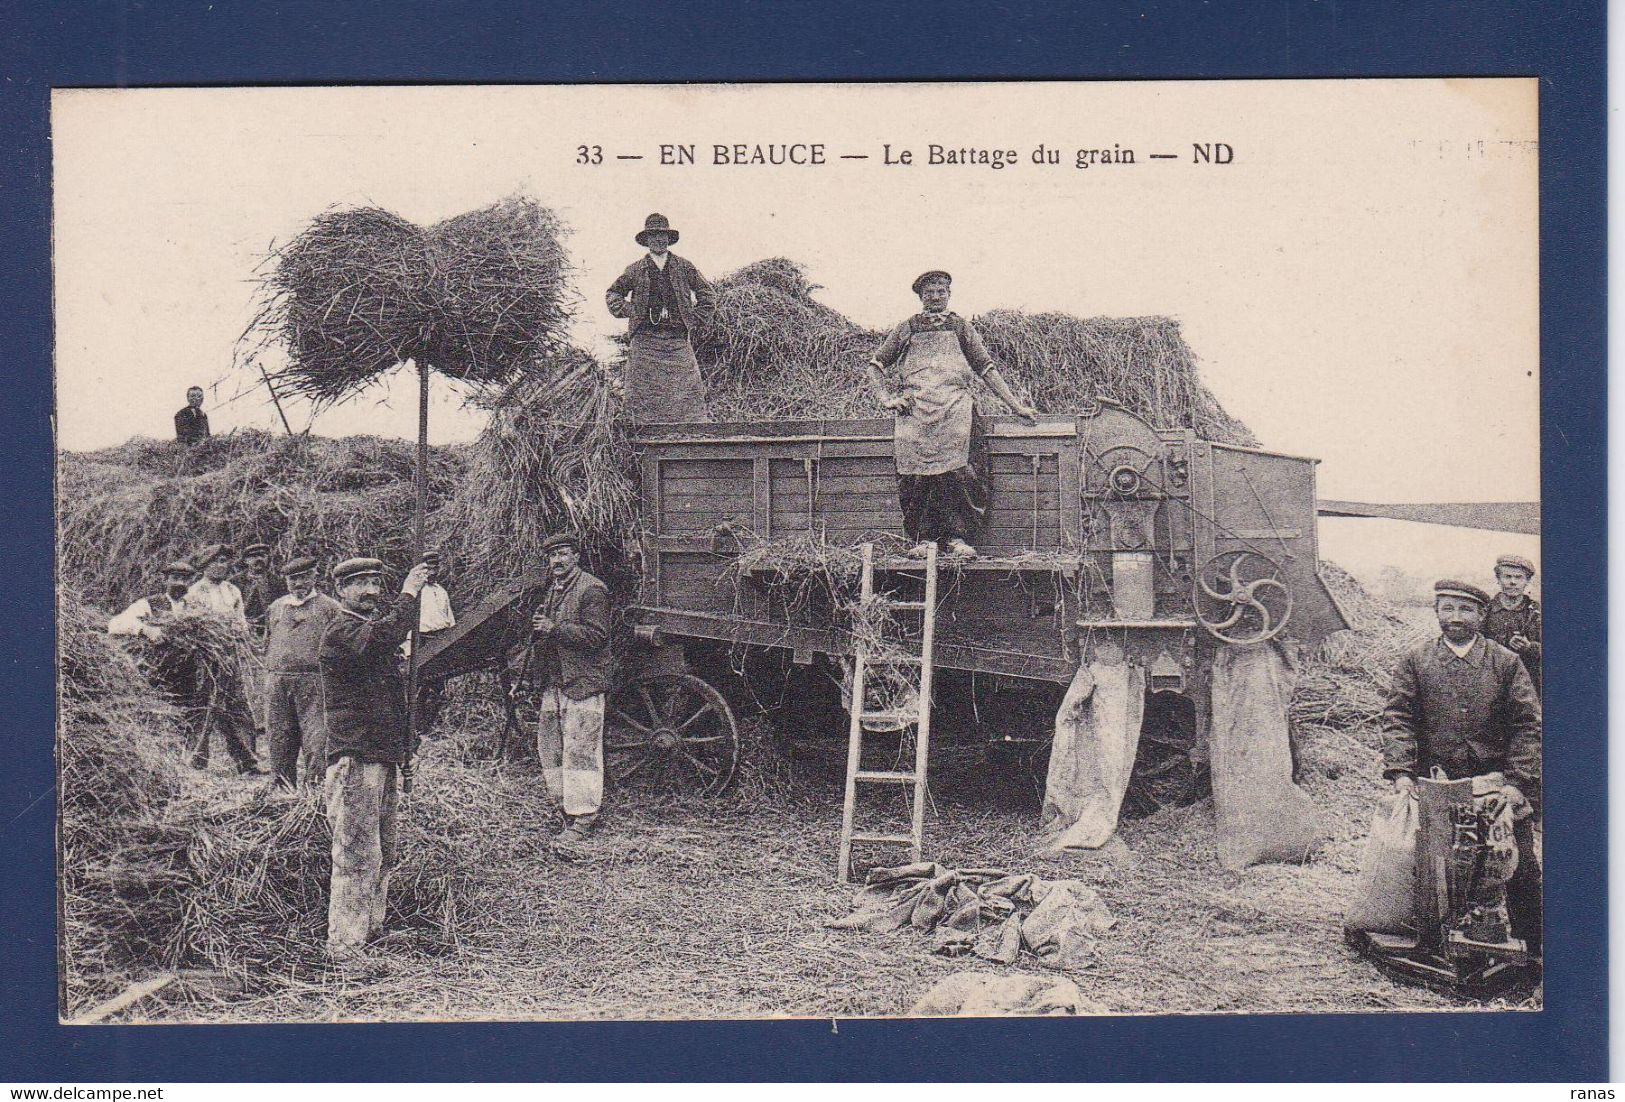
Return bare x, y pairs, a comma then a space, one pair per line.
862, 660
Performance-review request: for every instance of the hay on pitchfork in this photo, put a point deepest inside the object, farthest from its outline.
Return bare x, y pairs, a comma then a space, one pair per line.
358, 292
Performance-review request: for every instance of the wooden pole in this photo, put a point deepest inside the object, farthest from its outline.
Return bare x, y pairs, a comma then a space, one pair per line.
420, 480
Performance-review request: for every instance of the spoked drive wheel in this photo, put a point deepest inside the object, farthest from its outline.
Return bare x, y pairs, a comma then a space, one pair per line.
670, 732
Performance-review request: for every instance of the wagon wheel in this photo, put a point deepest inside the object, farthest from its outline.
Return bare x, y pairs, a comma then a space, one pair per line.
670, 732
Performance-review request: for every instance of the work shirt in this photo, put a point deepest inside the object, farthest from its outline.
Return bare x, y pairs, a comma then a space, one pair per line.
363, 692
294, 630
221, 599
575, 655
191, 426
434, 609
1502, 623
140, 614
692, 298
1468, 715
970, 341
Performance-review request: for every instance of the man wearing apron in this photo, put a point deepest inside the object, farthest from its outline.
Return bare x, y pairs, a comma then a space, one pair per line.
943, 495
664, 299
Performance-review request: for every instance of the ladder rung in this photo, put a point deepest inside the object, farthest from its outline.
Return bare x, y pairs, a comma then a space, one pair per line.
885, 777
893, 660
888, 717
917, 606
900, 839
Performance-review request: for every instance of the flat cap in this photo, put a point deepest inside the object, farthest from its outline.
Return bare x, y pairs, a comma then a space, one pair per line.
926, 277
432, 558
356, 568
1517, 562
256, 549
561, 539
179, 566
210, 553
300, 565
1449, 587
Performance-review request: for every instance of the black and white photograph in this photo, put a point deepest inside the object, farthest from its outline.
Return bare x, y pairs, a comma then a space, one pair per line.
820, 551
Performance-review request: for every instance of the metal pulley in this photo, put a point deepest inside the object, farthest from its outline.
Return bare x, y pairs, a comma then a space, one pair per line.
1241, 597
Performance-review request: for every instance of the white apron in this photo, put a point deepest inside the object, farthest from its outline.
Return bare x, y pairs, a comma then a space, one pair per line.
933, 437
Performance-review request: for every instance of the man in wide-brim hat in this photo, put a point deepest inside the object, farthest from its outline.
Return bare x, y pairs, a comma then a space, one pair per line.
665, 300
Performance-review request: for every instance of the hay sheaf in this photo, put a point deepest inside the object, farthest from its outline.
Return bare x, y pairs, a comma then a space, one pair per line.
479, 297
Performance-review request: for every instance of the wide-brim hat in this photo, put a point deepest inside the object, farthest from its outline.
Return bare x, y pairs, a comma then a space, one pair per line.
1449, 587
561, 539
178, 566
432, 558
350, 569
651, 224
208, 554
301, 565
1517, 562
925, 277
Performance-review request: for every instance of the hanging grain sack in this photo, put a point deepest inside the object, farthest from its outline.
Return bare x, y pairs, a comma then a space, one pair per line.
1097, 733
1261, 815
1384, 898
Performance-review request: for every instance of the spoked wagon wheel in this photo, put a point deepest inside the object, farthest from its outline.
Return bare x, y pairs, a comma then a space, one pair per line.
670, 732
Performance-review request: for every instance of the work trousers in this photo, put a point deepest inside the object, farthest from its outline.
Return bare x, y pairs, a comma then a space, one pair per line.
362, 801
570, 746
224, 708
937, 507
295, 725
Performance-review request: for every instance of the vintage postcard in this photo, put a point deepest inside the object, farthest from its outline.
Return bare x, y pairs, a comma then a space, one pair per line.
796, 550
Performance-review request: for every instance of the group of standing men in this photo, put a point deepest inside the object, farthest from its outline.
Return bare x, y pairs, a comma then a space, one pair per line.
336, 699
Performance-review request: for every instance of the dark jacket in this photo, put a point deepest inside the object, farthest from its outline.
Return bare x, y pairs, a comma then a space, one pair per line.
1470, 716
575, 654
694, 299
259, 590
1501, 624
363, 692
191, 426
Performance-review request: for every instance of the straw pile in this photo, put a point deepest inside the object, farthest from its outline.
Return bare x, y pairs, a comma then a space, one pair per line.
774, 351
122, 867
552, 458
123, 512
478, 297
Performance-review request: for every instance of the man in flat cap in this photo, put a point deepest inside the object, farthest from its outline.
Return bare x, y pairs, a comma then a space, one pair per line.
1464, 706
258, 586
295, 623
364, 701
665, 301
1513, 619
939, 483
571, 631
191, 423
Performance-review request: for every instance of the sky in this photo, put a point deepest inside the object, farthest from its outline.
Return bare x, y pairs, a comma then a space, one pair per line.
1359, 282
